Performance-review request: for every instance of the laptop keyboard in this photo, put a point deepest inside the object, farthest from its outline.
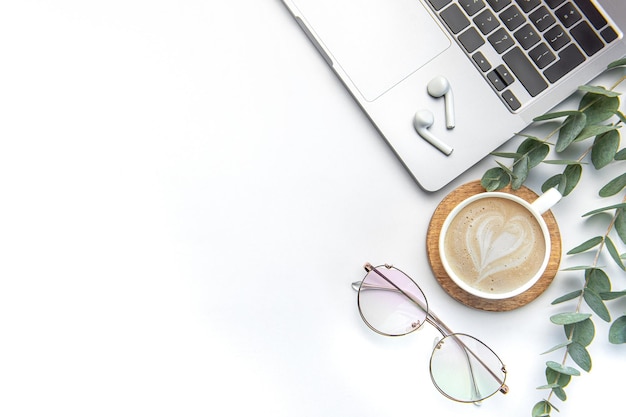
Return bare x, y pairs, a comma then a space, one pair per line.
534, 43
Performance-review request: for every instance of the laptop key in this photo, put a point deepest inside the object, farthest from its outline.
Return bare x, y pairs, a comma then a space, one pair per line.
568, 15
553, 4
481, 61
455, 18
511, 100
528, 5
525, 71
526, 36
501, 40
556, 37
512, 18
439, 4
587, 38
498, 5
471, 40
486, 22
542, 19
472, 6
541, 55
595, 17
609, 34
569, 58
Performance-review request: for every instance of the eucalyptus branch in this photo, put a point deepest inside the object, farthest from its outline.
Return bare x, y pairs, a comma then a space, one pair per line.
597, 118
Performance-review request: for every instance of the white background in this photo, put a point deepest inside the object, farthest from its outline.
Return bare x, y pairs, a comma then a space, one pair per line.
186, 194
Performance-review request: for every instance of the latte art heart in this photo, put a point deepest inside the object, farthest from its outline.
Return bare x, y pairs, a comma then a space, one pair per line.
495, 245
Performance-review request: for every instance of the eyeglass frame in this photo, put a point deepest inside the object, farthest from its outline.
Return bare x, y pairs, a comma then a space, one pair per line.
434, 321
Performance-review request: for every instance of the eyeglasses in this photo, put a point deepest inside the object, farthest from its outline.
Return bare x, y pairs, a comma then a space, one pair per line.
462, 367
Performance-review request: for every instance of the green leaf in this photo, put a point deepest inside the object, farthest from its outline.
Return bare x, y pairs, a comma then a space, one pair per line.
557, 181
535, 149
618, 63
617, 332
580, 355
610, 246
572, 174
582, 332
567, 297
511, 155
603, 209
594, 130
612, 295
557, 347
597, 280
621, 155
571, 128
604, 149
583, 247
495, 179
562, 162
566, 370
542, 409
577, 268
569, 318
520, 172
556, 378
594, 301
620, 224
560, 393
598, 90
614, 186
555, 115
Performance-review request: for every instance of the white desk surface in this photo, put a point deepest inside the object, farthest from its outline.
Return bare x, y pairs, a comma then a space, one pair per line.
187, 193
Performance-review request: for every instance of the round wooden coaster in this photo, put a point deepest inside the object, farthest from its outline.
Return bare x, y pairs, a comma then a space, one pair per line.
432, 247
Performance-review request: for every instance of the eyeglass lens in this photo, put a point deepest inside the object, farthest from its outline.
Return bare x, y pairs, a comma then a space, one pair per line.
391, 303
465, 369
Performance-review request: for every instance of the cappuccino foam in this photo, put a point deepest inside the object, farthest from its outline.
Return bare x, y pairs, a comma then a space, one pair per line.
495, 245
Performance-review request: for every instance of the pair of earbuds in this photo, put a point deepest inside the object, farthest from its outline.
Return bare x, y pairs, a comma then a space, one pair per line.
424, 119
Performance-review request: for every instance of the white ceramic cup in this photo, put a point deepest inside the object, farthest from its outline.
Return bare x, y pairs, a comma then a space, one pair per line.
494, 247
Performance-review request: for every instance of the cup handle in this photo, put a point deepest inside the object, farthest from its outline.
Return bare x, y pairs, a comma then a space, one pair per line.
546, 200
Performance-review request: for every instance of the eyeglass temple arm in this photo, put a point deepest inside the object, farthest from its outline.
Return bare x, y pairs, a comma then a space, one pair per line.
430, 318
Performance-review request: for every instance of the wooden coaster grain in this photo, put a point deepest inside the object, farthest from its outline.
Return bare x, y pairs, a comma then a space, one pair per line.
432, 247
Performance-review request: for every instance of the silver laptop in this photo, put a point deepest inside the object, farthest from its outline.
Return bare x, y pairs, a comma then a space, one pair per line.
445, 82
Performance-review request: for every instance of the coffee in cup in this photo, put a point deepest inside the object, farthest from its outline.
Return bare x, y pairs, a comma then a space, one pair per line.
496, 245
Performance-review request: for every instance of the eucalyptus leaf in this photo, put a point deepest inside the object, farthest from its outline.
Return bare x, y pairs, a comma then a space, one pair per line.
604, 149
614, 186
567, 297
572, 174
603, 209
542, 409
580, 355
610, 246
594, 130
573, 125
582, 332
557, 181
560, 393
557, 347
598, 90
621, 155
597, 280
553, 377
569, 318
585, 246
535, 149
600, 106
511, 155
617, 331
495, 179
577, 268
620, 116
613, 295
556, 115
594, 301
620, 224
562, 162
566, 370
520, 172
620, 62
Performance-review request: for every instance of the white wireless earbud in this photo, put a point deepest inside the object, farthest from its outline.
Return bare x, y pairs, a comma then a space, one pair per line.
422, 121
440, 87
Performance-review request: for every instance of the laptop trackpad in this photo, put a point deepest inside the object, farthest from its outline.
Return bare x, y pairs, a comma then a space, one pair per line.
378, 43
